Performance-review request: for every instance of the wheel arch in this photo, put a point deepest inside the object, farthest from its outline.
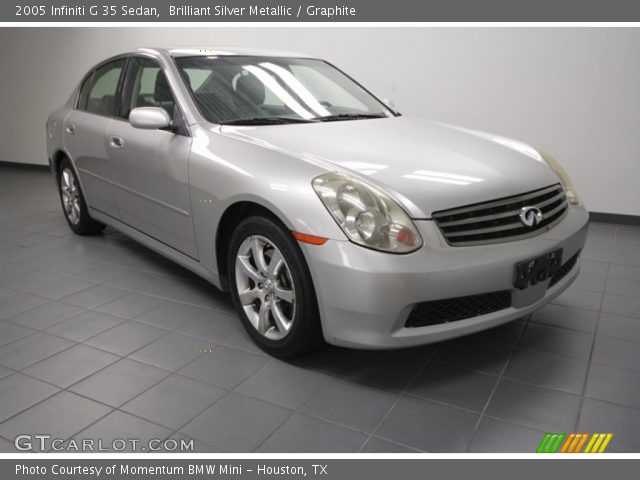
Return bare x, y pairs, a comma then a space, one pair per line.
230, 219
57, 157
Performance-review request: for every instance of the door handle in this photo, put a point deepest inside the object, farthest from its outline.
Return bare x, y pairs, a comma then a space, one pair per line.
71, 128
116, 142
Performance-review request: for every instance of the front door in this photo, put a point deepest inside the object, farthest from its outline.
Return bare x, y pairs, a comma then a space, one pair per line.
151, 167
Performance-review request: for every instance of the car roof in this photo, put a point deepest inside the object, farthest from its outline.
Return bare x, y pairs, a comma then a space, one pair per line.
221, 51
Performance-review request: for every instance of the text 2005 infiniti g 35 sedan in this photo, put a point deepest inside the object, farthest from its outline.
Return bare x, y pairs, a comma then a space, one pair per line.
324, 212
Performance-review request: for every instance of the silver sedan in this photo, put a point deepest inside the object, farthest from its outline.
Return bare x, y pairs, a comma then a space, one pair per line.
327, 214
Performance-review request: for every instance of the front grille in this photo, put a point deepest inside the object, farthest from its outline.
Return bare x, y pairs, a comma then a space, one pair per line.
498, 221
564, 269
459, 308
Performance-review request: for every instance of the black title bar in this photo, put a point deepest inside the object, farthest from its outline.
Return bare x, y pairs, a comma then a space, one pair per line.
110, 11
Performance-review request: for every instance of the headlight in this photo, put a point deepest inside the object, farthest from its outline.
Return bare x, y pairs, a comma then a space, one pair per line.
366, 215
569, 189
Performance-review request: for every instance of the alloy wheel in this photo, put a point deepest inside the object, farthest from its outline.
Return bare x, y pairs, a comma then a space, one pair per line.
70, 196
265, 287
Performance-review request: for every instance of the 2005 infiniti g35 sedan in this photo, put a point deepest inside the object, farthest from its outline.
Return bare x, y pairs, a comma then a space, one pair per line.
325, 213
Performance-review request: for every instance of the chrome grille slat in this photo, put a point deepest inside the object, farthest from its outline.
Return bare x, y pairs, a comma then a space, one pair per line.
497, 216
515, 199
532, 233
509, 226
498, 221
562, 206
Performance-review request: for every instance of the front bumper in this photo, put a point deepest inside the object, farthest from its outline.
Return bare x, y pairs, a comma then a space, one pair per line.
365, 296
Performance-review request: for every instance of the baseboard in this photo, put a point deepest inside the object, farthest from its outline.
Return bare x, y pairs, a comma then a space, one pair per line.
28, 166
614, 218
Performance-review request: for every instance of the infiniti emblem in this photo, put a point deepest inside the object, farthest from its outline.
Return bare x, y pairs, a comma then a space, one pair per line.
530, 216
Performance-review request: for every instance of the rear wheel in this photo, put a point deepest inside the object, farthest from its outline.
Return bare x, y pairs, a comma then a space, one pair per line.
74, 205
272, 288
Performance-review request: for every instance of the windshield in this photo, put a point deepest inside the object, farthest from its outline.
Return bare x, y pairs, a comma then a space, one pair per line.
270, 90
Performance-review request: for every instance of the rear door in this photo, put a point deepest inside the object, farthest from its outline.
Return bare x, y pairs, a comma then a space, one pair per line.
151, 167
85, 134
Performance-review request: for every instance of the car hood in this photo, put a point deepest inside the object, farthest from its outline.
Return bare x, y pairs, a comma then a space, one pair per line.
425, 165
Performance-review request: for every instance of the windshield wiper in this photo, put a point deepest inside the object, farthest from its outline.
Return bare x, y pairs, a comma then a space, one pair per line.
285, 120
351, 116
266, 121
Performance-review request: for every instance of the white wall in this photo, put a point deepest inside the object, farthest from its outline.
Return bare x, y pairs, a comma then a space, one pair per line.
572, 92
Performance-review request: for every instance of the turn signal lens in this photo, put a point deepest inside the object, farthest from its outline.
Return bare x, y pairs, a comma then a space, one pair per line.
310, 239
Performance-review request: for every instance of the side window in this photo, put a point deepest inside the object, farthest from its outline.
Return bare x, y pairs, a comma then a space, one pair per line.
147, 87
101, 95
84, 92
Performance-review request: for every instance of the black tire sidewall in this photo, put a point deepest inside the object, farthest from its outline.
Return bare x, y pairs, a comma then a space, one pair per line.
306, 333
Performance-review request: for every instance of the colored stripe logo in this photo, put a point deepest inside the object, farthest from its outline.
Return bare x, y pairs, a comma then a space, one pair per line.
574, 443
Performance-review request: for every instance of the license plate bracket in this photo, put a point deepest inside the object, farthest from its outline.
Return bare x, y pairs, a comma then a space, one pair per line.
539, 269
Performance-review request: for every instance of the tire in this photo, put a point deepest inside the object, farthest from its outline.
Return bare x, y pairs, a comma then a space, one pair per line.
277, 294
74, 206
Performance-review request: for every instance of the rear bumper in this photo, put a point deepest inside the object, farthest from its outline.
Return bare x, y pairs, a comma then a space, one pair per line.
365, 296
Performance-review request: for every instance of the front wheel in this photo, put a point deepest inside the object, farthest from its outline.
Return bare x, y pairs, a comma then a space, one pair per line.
272, 288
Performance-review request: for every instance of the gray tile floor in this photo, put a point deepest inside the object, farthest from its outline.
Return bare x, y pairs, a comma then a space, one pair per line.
101, 338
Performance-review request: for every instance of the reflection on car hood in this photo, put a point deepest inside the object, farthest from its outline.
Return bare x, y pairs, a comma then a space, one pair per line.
428, 166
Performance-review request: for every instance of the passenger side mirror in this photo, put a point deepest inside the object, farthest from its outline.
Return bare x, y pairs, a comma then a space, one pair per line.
149, 118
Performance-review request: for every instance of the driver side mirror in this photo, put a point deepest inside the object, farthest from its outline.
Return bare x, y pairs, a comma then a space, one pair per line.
149, 118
